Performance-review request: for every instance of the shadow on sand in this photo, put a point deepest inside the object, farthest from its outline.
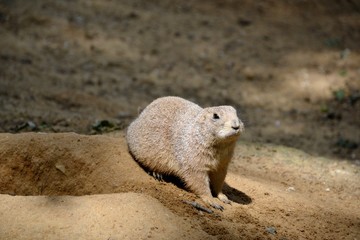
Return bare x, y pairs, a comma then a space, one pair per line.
236, 195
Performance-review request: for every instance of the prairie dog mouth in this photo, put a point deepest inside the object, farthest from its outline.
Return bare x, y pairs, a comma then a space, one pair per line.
230, 133
236, 128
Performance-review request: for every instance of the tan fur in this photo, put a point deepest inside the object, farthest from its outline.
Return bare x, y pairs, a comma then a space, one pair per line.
174, 136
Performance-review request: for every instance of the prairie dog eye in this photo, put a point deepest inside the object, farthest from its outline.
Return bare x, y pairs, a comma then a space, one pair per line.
215, 116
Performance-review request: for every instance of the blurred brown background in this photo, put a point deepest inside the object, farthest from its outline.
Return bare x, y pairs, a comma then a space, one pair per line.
291, 68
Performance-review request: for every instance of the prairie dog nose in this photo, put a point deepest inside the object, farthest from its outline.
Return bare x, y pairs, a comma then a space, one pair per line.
237, 124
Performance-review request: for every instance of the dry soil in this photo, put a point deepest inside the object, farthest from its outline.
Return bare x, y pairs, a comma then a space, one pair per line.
291, 68
90, 188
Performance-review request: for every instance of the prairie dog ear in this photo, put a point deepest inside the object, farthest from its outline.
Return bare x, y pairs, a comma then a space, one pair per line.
206, 116
213, 114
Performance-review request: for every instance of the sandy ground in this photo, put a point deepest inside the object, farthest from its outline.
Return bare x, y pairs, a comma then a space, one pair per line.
291, 68
115, 216
92, 189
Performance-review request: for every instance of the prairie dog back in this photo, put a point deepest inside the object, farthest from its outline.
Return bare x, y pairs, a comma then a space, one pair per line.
150, 136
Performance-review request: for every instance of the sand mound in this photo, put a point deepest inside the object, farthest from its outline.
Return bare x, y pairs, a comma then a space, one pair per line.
277, 193
111, 216
65, 164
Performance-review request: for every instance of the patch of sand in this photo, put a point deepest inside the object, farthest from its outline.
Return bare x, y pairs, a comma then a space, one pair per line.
75, 186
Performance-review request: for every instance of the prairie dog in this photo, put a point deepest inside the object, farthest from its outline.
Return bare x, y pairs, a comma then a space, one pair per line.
173, 136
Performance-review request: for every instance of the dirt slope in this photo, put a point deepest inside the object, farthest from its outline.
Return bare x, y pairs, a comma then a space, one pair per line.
111, 216
277, 193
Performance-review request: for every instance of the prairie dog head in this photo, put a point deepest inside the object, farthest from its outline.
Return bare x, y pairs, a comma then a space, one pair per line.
223, 122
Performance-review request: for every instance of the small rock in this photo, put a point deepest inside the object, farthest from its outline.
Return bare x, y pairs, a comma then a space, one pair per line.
290, 189
327, 189
271, 230
31, 125
60, 167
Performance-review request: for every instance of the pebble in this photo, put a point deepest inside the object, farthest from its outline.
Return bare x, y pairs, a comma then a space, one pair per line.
271, 230
290, 189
